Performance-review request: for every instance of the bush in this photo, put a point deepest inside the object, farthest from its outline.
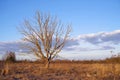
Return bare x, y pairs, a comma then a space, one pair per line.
9, 57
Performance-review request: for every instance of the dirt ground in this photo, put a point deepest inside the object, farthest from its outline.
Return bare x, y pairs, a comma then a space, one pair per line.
61, 71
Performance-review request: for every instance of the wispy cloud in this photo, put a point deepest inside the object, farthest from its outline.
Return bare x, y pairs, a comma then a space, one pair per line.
100, 41
15, 46
79, 48
86, 42
101, 37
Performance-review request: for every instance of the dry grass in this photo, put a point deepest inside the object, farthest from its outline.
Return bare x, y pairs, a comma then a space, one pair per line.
62, 71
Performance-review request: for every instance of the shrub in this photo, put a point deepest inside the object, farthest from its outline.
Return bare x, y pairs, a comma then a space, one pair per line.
9, 57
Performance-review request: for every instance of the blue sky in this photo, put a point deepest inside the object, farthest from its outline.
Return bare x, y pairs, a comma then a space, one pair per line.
88, 17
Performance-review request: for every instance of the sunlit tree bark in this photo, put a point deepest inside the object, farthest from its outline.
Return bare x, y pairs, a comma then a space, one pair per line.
46, 35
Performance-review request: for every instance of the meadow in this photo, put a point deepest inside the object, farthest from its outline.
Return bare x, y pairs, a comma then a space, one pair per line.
108, 69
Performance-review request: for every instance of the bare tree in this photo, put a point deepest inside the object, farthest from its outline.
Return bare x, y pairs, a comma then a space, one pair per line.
46, 35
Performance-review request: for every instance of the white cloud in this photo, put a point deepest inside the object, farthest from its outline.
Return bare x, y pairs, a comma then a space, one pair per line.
86, 42
14, 46
101, 37
95, 41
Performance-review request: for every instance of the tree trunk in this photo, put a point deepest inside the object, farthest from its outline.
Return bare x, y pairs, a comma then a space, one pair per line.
47, 64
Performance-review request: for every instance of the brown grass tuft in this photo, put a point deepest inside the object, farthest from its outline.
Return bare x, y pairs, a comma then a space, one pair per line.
66, 70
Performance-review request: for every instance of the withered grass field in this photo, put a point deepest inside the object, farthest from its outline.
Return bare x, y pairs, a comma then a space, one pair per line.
61, 70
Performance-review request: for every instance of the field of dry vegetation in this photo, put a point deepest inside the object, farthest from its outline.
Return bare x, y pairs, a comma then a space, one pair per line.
61, 70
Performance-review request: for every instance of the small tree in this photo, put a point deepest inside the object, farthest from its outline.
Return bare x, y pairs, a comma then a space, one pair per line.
47, 36
9, 57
